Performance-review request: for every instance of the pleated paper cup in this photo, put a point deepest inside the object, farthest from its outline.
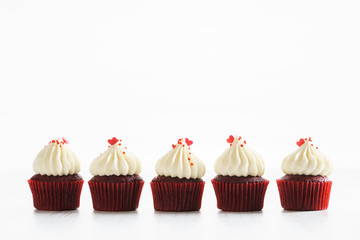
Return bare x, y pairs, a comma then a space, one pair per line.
55, 196
240, 197
177, 197
304, 196
116, 196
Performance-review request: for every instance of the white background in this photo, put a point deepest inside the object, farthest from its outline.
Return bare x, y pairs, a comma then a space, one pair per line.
150, 72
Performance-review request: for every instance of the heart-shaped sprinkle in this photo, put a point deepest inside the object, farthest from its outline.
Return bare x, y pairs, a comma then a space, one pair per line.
113, 141
173, 146
230, 139
300, 142
188, 142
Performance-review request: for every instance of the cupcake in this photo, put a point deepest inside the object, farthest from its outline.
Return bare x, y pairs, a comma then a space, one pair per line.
56, 184
178, 186
116, 185
305, 187
238, 185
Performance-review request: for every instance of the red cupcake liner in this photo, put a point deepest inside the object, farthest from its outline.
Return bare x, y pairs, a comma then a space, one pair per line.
116, 196
304, 196
177, 197
56, 195
240, 197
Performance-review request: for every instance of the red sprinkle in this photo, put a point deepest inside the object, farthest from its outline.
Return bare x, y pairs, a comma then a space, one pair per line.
300, 142
191, 164
245, 142
230, 139
65, 140
188, 142
113, 141
173, 146
241, 145
317, 148
123, 152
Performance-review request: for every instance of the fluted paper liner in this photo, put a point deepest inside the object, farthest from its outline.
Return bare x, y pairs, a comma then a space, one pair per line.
55, 196
240, 197
116, 196
177, 197
304, 196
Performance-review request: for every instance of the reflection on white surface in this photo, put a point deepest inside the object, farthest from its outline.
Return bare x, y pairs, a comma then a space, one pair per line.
173, 219
208, 223
106, 217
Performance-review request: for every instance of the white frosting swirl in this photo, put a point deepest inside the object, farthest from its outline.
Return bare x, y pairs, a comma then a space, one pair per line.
116, 160
307, 160
56, 159
239, 160
180, 162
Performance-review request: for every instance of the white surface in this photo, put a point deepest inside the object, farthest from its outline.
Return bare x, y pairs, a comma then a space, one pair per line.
150, 72
19, 219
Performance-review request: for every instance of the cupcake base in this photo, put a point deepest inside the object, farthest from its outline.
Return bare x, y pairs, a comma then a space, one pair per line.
240, 194
55, 193
177, 195
116, 193
304, 193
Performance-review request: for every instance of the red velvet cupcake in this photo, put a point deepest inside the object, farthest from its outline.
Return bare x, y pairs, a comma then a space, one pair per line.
239, 186
178, 186
116, 185
305, 187
56, 184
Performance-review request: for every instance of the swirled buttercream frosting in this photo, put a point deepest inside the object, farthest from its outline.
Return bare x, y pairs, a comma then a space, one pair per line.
180, 162
56, 159
116, 160
307, 160
239, 160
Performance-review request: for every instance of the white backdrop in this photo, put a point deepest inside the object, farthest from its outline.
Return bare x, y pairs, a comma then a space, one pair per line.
150, 72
